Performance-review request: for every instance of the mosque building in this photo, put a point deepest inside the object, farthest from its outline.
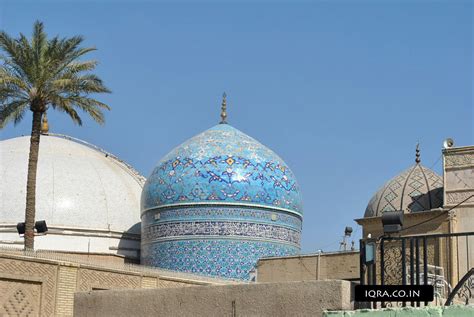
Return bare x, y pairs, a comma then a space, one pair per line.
220, 205
214, 205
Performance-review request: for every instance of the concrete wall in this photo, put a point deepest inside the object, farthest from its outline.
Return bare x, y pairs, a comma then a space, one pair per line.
449, 311
267, 299
333, 265
33, 286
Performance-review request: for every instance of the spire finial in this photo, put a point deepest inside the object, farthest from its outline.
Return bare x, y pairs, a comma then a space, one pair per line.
45, 125
224, 109
417, 159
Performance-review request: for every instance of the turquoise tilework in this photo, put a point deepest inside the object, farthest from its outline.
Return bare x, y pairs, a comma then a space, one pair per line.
222, 164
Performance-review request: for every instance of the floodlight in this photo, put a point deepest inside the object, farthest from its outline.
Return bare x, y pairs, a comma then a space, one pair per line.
41, 226
392, 221
20, 227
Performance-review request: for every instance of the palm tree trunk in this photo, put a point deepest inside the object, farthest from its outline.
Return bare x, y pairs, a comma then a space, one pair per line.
31, 181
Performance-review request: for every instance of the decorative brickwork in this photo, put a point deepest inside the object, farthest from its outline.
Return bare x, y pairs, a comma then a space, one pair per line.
459, 160
19, 298
94, 279
31, 286
35, 271
453, 198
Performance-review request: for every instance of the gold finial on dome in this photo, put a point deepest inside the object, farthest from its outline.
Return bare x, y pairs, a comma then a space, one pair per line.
417, 159
44, 124
224, 109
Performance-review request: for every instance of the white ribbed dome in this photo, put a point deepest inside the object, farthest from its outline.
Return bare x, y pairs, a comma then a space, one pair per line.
78, 187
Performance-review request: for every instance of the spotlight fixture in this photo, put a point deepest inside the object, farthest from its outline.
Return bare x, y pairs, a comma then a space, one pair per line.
40, 227
392, 221
20, 227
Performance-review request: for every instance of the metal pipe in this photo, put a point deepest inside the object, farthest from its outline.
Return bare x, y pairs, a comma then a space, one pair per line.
361, 262
425, 264
467, 252
319, 264
374, 268
412, 267
404, 268
382, 262
417, 261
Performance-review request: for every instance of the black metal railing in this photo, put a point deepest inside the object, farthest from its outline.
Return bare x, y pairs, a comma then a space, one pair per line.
440, 260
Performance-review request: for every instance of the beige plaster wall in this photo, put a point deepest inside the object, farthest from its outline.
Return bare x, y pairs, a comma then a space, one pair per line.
333, 265
458, 187
309, 298
458, 175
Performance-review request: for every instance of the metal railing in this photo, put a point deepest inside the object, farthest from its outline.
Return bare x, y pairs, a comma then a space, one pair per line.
124, 165
441, 260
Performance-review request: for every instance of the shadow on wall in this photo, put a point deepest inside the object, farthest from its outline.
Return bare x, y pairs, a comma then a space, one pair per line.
129, 244
431, 200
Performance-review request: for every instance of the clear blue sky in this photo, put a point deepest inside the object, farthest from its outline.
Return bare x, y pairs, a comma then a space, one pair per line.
342, 91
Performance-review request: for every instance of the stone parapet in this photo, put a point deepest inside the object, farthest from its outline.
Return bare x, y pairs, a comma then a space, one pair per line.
308, 298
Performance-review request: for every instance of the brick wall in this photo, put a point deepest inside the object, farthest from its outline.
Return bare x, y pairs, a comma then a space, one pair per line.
65, 288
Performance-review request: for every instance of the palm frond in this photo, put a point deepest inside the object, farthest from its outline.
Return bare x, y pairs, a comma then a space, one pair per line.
44, 72
78, 67
65, 105
8, 78
13, 111
85, 84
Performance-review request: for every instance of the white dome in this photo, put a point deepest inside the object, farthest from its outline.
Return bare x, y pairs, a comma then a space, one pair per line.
78, 187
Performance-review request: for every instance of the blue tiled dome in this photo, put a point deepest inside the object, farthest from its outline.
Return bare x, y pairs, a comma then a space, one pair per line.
218, 203
222, 165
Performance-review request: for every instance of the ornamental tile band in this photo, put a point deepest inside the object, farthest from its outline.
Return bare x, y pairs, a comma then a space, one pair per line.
199, 213
223, 229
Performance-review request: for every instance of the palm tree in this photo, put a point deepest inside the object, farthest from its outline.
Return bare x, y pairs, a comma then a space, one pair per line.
40, 74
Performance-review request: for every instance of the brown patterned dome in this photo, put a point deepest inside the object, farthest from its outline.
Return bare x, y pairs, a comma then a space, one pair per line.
416, 189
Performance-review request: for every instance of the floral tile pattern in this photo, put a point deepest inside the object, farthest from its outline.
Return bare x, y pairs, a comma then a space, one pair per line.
216, 257
218, 203
222, 164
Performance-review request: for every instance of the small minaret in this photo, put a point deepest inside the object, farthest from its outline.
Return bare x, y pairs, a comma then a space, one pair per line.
417, 155
224, 109
44, 124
